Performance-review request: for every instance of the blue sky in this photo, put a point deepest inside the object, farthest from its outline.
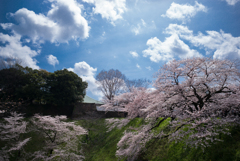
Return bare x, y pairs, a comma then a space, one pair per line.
134, 36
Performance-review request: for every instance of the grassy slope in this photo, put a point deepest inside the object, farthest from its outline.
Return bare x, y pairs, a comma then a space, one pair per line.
102, 146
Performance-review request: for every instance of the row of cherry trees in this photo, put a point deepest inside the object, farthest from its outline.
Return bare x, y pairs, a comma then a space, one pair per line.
200, 97
61, 138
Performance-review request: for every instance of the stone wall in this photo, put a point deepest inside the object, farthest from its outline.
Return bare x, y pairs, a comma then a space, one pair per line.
30, 109
81, 109
71, 111
111, 114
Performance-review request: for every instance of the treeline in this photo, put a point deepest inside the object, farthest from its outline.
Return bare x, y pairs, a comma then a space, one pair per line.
26, 85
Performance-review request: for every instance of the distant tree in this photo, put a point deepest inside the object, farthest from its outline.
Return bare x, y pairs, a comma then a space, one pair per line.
61, 138
11, 130
135, 83
199, 96
111, 83
64, 87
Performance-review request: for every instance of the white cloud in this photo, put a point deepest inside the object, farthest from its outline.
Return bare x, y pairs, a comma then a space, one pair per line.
167, 50
13, 48
82, 68
178, 29
184, 12
142, 26
62, 23
138, 66
232, 2
102, 38
134, 54
149, 68
151, 90
86, 72
143, 23
112, 10
223, 45
137, 29
52, 60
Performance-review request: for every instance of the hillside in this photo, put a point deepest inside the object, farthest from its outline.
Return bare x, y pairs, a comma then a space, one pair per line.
101, 145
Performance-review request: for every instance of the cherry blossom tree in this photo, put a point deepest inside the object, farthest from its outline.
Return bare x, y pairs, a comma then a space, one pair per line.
111, 123
201, 93
61, 137
134, 139
11, 130
199, 96
132, 102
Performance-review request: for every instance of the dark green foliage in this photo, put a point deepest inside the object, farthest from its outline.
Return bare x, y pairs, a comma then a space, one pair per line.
35, 85
65, 87
26, 85
12, 81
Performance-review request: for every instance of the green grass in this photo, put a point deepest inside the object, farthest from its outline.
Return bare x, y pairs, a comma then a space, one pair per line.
105, 146
162, 150
100, 145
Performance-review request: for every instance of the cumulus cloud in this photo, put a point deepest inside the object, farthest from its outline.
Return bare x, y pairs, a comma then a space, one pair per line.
12, 47
184, 12
222, 44
62, 23
167, 50
52, 60
86, 72
232, 2
134, 54
112, 10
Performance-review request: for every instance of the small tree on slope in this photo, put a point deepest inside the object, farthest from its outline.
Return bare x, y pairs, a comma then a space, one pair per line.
10, 133
61, 138
200, 96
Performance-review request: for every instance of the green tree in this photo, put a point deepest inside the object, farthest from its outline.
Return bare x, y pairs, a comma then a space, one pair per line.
35, 84
64, 87
12, 81
26, 84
